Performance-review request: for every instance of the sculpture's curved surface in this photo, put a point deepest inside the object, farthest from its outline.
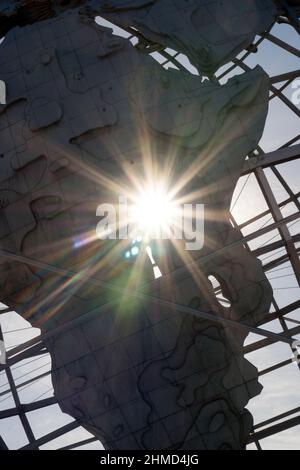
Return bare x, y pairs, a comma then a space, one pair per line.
78, 101
209, 32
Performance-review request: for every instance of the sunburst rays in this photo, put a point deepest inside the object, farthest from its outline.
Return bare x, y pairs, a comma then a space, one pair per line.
155, 177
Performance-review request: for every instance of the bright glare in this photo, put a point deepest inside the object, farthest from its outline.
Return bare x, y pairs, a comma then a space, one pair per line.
153, 213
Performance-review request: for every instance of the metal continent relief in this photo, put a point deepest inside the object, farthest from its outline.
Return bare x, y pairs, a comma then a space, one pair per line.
78, 100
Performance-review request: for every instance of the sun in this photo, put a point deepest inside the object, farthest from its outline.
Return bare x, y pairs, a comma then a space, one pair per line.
153, 212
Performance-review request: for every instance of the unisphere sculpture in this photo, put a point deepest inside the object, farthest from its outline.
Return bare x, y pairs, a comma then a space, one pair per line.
79, 98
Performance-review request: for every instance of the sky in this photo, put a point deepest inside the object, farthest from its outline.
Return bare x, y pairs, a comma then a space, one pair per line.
281, 388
